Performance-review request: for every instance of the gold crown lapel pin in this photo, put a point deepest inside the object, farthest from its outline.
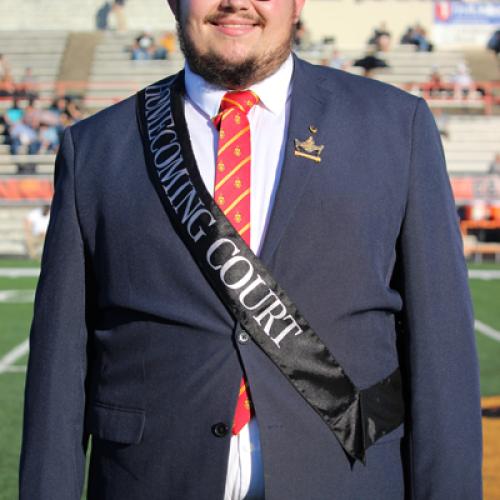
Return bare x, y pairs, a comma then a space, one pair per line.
308, 148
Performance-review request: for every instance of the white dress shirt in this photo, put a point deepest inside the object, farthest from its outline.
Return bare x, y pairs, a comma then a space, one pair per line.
268, 131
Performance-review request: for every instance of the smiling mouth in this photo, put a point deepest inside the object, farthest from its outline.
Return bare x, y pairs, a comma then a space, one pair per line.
234, 27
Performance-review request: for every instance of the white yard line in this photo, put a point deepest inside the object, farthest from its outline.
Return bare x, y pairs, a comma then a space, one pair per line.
17, 296
487, 330
6, 363
20, 272
15, 369
484, 274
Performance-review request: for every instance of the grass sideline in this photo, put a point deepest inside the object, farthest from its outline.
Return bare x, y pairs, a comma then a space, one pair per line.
14, 329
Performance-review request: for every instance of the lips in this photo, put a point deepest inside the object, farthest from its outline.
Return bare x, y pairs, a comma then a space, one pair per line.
234, 27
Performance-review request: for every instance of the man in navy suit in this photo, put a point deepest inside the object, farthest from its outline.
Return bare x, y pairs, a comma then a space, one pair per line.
135, 342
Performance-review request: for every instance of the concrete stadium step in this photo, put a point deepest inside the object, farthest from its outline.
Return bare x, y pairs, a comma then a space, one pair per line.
475, 146
12, 248
468, 156
132, 66
8, 169
8, 214
105, 81
129, 75
41, 169
468, 168
40, 50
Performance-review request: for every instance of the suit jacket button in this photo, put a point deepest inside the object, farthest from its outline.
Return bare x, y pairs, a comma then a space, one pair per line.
243, 338
220, 429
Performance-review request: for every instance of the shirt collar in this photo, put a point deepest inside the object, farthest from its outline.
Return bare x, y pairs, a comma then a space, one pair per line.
273, 91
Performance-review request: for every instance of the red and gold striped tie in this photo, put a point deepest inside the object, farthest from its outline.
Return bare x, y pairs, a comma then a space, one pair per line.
232, 190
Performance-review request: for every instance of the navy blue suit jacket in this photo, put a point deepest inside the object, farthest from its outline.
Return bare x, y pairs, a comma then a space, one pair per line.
130, 344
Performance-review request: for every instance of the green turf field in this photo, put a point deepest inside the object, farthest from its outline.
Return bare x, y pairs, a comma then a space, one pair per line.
14, 326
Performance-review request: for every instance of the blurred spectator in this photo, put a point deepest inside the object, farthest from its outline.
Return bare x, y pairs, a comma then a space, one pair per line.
422, 42
168, 41
73, 111
35, 130
337, 61
436, 84
494, 42
407, 38
48, 139
119, 13
14, 114
302, 37
7, 86
442, 122
4, 66
66, 106
370, 62
145, 48
27, 88
23, 136
102, 16
463, 84
495, 165
35, 227
381, 38
417, 35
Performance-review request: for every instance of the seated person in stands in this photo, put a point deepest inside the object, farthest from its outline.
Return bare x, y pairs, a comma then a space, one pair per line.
495, 165
67, 107
59, 105
35, 227
24, 138
463, 84
437, 87
302, 37
48, 139
14, 114
4, 131
381, 38
417, 35
4, 66
27, 88
168, 41
442, 122
337, 61
145, 48
7, 86
494, 42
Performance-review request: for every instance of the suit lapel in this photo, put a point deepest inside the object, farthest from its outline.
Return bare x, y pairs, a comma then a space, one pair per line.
306, 108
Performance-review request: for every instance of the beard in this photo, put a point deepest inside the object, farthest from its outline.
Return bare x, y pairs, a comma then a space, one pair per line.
217, 70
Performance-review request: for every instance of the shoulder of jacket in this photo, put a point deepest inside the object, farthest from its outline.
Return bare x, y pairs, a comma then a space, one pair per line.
358, 87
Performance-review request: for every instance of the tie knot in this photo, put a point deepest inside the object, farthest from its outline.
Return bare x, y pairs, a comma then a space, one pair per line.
243, 100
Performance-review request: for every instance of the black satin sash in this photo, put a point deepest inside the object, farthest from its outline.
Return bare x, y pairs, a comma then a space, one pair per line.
245, 286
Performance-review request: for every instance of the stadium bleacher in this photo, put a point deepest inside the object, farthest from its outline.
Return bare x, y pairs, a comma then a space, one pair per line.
115, 76
41, 51
470, 142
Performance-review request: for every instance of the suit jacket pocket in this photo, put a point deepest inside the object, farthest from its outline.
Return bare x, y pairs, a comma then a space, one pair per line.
114, 423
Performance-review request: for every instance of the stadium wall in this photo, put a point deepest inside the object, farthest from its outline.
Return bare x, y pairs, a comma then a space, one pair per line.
350, 21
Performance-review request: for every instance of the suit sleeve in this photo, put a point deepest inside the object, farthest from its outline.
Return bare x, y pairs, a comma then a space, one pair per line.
444, 406
53, 448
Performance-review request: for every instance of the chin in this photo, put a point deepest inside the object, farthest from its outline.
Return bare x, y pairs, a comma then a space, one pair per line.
234, 54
